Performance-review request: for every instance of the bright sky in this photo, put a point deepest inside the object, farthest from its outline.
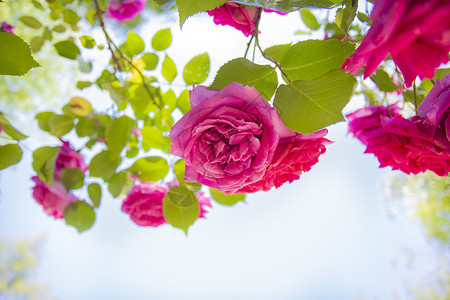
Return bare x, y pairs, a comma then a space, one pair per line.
324, 237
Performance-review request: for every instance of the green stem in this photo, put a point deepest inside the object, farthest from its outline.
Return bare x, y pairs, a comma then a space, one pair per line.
414, 97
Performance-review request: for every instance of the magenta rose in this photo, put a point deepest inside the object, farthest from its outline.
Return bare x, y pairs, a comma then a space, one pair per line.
436, 109
124, 10
239, 16
68, 158
400, 143
415, 33
144, 204
6, 27
54, 199
229, 139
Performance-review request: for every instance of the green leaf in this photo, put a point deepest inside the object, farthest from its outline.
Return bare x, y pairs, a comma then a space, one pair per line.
134, 43
87, 41
308, 106
37, 4
43, 164
59, 28
165, 4
80, 106
183, 102
169, 70
364, 18
289, 5
150, 60
118, 133
36, 43
151, 168
67, 49
60, 124
154, 138
187, 8
10, 130
162, 39
345, 16
42, 119
228, 200
95, 193
180, 207
72, 178
104, 164
197, 69
70, 17
10, 154
179, 168
383, 81
30, 22
309, 19
120, 184
262, 77
80, 215
82, 84
310, 59
277, 52
15, 55
85, 127
440, 73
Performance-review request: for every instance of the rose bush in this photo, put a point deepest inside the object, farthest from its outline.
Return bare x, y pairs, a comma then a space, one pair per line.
415, 33
436, 109
54, 199
229, 139
400, 143
125, 10
144, 203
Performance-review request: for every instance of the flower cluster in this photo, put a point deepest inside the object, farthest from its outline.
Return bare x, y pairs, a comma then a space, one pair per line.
239, 16
55, 198
411, 145
415, 33
125, 10
144, 203
234, 141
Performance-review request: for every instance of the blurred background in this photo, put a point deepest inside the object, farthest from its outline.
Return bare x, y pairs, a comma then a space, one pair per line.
345, 230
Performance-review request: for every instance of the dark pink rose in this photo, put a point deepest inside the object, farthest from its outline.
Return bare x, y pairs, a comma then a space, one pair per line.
400, 143
6, 27
236, 15
123, 10
436, 109
54, 199
68, 158
416, 33
144, 204
229, 139
294, 155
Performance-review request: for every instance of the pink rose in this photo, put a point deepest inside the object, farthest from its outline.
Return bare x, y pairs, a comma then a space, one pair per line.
398, 142
144, 204
415, 33
6, 27
436, 109
229, 139
68, 158
54, 199
241, 17
123, 10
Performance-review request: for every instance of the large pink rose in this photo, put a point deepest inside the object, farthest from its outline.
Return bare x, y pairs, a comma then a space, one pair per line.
123, 10
144, 204
436, 109
229, 139
54, 199
416, 33
236, 15
400, 143
68, 158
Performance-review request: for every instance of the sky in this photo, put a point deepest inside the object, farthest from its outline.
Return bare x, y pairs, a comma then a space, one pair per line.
323, 237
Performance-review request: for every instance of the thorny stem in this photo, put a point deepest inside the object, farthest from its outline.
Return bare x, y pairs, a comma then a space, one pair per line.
116, 58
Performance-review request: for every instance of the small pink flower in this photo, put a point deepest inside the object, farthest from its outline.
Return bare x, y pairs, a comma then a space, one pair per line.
415, 33
436, 109
6, 27
54, 199
124, 10
136, 132
232, 139
400, 143
144, 204
68, 158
